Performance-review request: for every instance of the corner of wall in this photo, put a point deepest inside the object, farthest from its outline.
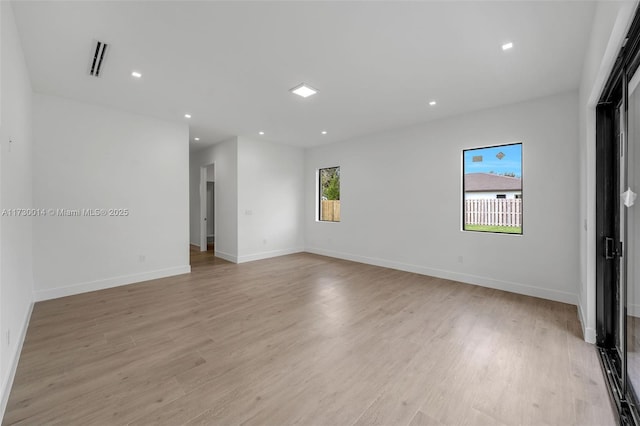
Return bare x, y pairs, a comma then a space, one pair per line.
102, 284
226, 256
268, 254
16, 254
588, 333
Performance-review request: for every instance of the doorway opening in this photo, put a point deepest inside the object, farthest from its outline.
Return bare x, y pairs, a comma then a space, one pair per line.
211, 235
207, 208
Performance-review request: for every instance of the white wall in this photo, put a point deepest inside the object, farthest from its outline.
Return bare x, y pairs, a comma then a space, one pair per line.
16, 258
401, 200
258, 198
610, 25
270, 199
89, 157
225, 157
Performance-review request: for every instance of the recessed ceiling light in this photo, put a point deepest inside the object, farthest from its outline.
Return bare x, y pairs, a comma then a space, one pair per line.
196, 139
507, 46
324, 132
432, 103
304, 90
136, 74
261, 133
187, 116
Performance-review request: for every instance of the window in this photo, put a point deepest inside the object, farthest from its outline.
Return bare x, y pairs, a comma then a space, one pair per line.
492, 189
329, 194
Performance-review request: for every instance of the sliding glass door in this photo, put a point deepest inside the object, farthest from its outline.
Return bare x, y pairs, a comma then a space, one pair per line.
618, 229
630, 160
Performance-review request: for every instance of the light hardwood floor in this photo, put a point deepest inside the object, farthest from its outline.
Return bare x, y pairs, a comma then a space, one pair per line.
308, 340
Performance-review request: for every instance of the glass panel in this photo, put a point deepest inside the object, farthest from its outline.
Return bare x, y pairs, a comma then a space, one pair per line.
632, 252
492, 181
329, 203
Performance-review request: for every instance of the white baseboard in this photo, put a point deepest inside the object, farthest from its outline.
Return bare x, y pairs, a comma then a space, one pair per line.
13, 365
268, 254
633, 310
55, 293
588, 333
519, 288
226, 256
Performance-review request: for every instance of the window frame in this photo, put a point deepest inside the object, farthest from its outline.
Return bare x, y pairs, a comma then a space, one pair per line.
319, 195
463, 198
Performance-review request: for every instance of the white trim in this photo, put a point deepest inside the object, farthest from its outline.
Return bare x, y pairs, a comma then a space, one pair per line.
588, 333
268, 254
55, 293
13, 366
618, 34
226, 256
519, 288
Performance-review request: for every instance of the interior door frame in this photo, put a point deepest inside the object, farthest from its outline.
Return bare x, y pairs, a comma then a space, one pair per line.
203, 205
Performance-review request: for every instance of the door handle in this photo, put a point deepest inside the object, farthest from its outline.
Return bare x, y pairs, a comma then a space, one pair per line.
608, 248
611, 249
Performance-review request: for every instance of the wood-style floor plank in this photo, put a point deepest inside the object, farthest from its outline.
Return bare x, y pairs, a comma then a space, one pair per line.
306, 340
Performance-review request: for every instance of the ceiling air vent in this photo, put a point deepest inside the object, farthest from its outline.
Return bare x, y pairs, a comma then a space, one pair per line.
99, 53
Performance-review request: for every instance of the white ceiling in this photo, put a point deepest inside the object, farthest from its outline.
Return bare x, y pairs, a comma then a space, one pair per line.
376, 64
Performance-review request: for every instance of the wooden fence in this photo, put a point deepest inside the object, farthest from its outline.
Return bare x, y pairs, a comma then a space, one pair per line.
493, 212
330, 210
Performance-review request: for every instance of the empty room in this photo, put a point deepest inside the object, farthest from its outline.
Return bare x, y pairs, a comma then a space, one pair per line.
319, 212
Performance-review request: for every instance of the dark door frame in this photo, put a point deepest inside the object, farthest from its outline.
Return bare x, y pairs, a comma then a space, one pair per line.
606, 209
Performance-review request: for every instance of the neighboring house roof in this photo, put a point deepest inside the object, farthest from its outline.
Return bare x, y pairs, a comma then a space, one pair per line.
477, 182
